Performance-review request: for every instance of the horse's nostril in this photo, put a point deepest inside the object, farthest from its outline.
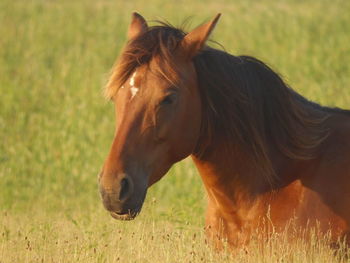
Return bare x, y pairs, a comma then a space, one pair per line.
126, 188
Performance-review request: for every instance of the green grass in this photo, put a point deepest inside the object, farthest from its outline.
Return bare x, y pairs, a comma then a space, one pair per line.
56, 128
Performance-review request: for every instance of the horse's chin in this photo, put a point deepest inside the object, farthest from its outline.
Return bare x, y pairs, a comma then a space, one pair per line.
124, 217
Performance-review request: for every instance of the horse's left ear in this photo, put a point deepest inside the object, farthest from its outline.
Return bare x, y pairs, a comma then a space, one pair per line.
137, 27
195, 40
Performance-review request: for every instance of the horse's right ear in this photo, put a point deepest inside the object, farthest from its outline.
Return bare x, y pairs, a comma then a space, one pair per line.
137, 27
194, 41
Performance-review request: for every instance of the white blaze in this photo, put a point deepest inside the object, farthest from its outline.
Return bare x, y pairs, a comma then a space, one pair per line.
132, 79
133, 89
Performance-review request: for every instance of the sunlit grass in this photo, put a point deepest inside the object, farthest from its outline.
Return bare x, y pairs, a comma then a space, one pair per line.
75, 237
56, 128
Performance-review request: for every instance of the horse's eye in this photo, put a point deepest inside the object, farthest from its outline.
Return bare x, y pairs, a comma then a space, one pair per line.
169, 99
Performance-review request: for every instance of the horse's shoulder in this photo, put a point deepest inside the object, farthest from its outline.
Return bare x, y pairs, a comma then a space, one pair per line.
334, 161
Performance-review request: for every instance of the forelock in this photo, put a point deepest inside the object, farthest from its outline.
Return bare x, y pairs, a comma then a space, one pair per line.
157, 44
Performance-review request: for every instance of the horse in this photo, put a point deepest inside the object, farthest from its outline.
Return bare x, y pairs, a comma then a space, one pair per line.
265, 153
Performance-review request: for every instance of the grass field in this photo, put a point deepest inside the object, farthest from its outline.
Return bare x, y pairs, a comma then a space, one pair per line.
56, 128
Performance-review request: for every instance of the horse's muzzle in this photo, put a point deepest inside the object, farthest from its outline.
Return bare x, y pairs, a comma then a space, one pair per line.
119, 197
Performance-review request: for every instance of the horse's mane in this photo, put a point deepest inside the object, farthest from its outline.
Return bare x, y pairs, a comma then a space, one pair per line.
250, 103
243, 100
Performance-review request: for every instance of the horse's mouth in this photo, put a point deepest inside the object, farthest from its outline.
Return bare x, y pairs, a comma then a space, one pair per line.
127, 216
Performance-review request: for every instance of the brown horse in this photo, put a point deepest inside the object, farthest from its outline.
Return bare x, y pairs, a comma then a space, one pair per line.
264, 152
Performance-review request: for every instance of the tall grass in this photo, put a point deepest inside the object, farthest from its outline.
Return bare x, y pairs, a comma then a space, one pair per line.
55, 127
95, 238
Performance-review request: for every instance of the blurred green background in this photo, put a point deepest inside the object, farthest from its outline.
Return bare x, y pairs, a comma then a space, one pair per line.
56, 128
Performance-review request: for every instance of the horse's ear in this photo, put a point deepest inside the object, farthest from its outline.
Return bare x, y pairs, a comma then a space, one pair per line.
195, 40
138, 26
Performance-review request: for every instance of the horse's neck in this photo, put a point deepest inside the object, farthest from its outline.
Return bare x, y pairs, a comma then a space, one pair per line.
232, 182
227, 181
